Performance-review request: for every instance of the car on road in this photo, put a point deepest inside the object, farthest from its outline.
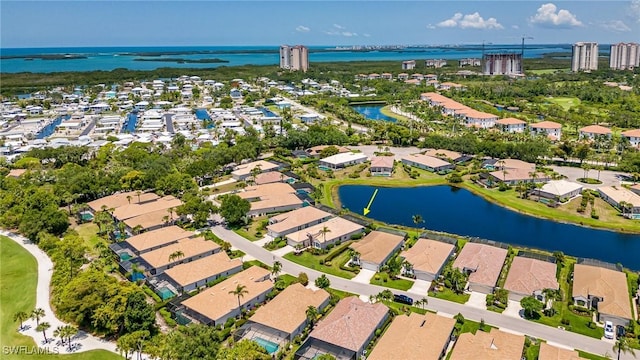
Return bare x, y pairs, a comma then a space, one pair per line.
620, 331
608, 330
403, 299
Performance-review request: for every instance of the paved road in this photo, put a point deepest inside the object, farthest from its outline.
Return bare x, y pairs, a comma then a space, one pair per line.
608, 178
169, 122
89, 127
511, 324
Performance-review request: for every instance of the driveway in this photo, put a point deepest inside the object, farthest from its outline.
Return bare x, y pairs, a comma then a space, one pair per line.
477, 300
608, 178
513, 309
420, 287
364, 276
398, 152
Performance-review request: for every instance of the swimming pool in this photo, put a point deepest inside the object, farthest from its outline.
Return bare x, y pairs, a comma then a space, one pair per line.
165, 293
271, 347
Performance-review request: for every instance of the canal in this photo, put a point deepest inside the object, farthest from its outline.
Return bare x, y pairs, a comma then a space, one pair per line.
130, 124
51, 127
459, 211
202, 114
373, 112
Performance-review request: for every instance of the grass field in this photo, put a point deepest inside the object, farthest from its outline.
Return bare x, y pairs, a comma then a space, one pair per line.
386, 110
447, 294
385, 280
89, 234
311, 261
565, 102
546, 71
18, 276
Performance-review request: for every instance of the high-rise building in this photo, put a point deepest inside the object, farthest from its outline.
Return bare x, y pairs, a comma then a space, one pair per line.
624, 56
294, 57
503, 64
584, 56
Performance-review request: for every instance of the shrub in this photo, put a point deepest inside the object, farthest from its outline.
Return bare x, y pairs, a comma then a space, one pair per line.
565, 321
229, 323
166, 315
503, 187
303, 279
357, 236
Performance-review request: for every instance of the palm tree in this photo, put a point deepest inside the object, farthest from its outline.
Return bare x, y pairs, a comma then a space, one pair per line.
44, 326
136, 269
137, 229
37, 314
129, 199
312, 314
239, 291
122, 230
424, 302
176, 255
59, 332
277, 267
138, 193
417, 219
324, 232
622, 346
165, 219
170, 211
20, 316
354, 256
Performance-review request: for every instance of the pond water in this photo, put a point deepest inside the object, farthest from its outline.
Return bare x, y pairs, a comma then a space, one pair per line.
459, 211
372, 112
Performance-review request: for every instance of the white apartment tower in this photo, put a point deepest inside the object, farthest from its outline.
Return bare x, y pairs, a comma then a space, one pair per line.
294, 57
584, 56
503, 64
624, 56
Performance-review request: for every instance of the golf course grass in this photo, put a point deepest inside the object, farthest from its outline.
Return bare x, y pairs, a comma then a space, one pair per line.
18, 278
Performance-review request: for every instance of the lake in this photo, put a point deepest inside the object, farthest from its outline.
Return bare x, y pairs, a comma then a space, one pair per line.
459, 211
373, 112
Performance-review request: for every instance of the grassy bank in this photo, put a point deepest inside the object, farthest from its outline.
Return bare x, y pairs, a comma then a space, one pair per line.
18, 278
387, 111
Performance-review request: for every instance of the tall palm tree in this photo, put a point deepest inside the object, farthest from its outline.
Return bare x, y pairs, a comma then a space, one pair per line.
176, 255
424, 302
59, 332
240, 291
324, 232
417, 219
20, 316
312, 314
129, 197
122, 230
622, 346
170, 211
44, 326
138, 193
37, 314
277, 267
137, 229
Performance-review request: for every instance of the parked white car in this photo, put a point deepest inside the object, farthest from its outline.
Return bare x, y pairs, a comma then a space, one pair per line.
608, 330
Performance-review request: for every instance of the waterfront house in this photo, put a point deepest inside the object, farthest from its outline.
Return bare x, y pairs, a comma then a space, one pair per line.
477, 119
495, 344
346, 331
243, 171
152, 240
550, 129
381, 165
483, 263
604, 290
271, 198
633, 136
214, 305
376, 249
198, 273
515, 176
511, 125
530, 277
618, 196
548, 352
324, 234
343, 160
415, 337
284, 317
159, 260
559, 190
426, 162
593, 131
428, 258
296, 220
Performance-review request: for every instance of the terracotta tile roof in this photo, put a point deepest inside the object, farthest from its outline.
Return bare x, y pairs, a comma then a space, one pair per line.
190, 247
494, 345
158, 237
245, 169
132, 210
517, 175
149, 220
528, 275
287, 311
117, 200
620, 194
376, 246
441, 153
596, 129
316, 150
610, 285
338, 227
510, 121
428, 255
295, 218
632, 133
548, 352
515, 164
382, 161
271, 195
546, 125
271, 177
426, 160
191, 272
350, 323
216, 302
414, 337
486, 260
16, 173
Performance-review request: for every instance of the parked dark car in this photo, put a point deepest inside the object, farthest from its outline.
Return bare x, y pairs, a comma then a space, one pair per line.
620, 330
403, 299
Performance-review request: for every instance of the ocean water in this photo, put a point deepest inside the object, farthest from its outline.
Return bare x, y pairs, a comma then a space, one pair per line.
110, 58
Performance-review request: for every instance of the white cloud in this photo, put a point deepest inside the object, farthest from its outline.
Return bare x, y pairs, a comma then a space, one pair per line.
302, 28
366, 35
515, 27
634, 10
615, 25
431, 26
337, 26
549, 16
470, 21
339, 30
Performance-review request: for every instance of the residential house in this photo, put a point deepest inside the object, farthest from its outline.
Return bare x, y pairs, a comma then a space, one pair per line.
549, 352
387, 76
428, 258
530, 277
134, 209
483, 263
593, 131
214, 305
376, 249
317, 150
559, 190
296, 220
271, 198
324, 234
381, 166
153, 220
269, 177
477, 119
403, 76
633, 136
449, 156
427, 162
604, 290
152, 240
494, 344
346, 331
550, 129
243, 171
618, 196
180, 252
343, 160
451, 85
190, 276
415, 337
511, 125
408, 65
515, 176
284, 317
120, 199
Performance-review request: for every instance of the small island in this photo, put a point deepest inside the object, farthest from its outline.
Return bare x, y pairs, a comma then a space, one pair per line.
186, 61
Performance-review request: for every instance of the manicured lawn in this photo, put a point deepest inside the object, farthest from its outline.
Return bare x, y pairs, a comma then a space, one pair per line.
471, 326
532, 352
288, 279
386, 110
545, 71
565, 102
339, 293
577, 323
400, 308
250, 232
18, 276
495, 309
400, 284
447, 294
589, 356
89, 234
311, 261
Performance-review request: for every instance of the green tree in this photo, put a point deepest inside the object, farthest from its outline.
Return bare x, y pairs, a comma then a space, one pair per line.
139, 315
417, 219
312, 314
234, 208
240, 291
20, 316
275, 270
324, 231
43, 326
37, 314
303, 279
176, 255
531, 306
323, 282
243, 350
622, 346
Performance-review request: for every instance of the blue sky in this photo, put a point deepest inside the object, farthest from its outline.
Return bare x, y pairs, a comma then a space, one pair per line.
210, 23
